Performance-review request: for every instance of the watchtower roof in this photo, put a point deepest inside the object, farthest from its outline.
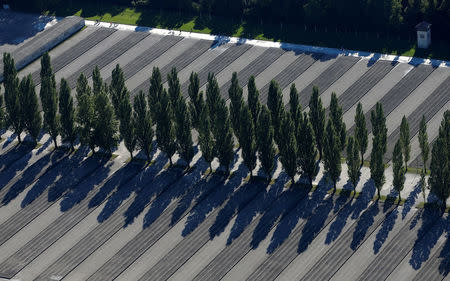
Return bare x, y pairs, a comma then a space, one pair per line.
423, 26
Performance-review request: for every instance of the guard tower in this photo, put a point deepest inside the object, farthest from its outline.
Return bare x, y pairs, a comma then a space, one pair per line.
423, 34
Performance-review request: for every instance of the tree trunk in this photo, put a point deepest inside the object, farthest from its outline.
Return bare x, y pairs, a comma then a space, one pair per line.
170, 160
131, 155
379, 192
399, 198
334, 186
19, 139
55, 142
362, 159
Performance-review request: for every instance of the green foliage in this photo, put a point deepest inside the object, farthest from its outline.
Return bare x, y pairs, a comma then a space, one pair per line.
378, 121
183, 131
332, 153
223, 143
398, 169
142, 124
253, 100
379, 131
212, 100
165, 129
14, 118
361, 131
174, 90
49, 98
276, 107
126, 124
353, 161
295, 107
336, 118
2, 113
404, 141
85, 112
97, 81
67, 112
118, 90
32, 119
307, 152
105, 123
288, 146
196, 102
236, 105
205, 138
317, 119
423, 142
248, 143
155, 93
265, 143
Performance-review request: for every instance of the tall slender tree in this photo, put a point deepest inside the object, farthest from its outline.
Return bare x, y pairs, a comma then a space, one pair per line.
276, 107
155, 93
126, 124
118, 90
236, 105
332, 153
213, 100
183, 131
307, 152
378, 121
2, 114
288, 147
336, 118
30, 108
205, 138
223, 136
85, 112
295, 107
105, 122
97, 81
165, 130
143, 124
253, 100
353, 161
378, 147
174, 89
361, 131
423, 142
398, 169
196, 99
264, 139
49, 99
14, 118
67, 111
317, 118
248, 143
404, 141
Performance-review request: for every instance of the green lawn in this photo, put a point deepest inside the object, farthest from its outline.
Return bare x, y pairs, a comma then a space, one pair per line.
256, 30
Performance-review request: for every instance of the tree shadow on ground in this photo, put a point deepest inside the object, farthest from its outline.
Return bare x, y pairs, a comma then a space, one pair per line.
353, 211
64, 169
302, 211
14, 154
11, 172
50, 161
137, 183
411, 200
433, 226
45, 145
385, 229
185, 187
223, 192
444, 266
363, 224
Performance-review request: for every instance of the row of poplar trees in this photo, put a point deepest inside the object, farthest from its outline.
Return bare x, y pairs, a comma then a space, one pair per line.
104, 115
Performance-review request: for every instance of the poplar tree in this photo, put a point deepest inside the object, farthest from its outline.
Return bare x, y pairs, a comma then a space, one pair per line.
174, 89
398, 169
248, 143
361, 135
183, 131
307, 152
404, 141
212, 100
236, 105
317, 119
85, 112
14, 118
49, 98
276, 107
223, 144
288, 147
2, 113
336, 118
143, 124
196, 100
378, 121
67, 111
423, 141
332, 153
118, 90
105, 123
353, 161
379, 131
155, 93
165, 130
295, 107
30, 108
97, 81
253, 100
264, 139
126, 124
205, 138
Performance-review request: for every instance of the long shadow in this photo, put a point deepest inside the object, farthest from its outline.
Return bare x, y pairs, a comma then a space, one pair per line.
10, 172
125, 191
278, 211
186, 186
54, 175
411, 200
154, 188
352, 211
385, 229
8, 140
199, 213
433, 226
13, 155
50, 161
444, 267
363, 224
120, 177
302, 211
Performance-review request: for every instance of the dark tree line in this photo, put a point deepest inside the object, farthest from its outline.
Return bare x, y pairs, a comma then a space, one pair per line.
104, 115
